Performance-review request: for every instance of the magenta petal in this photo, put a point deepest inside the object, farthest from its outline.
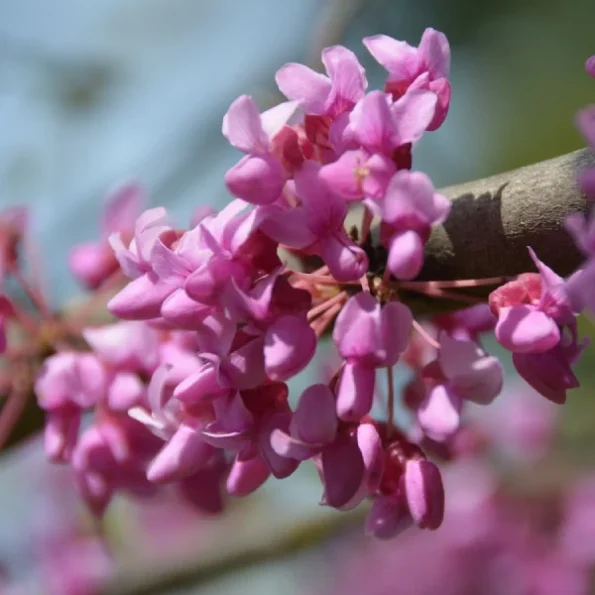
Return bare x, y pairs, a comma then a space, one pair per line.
203, 489
204, 383
289, 345
474, 375
345, 259
395, 325
315, 420
586, 182
258, 179
342, 471
245, 367
279, 466
439, 414
348, 78
184, 312
397, 57
242, 126
287, 446
246, 476
370, 445
425, 493
358, 333
380, 170
300, 83
524, 329
388, 517
413, 113
122, 207
372, 123
61, 433
125, 391
355, 391
585, 121
340, 176
141, 299
435, 52
406, 255
549, 373
182, 456
92, 263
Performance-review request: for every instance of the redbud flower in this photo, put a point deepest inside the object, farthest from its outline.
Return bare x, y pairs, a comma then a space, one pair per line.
258, 177
325, 95
409, 210
585, 121
13, 226
462, 371
425, 67
93, 262
368, 336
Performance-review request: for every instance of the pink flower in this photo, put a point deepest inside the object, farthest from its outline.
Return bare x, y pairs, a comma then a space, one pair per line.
13, 226
529, 320
425, 67
409, 210
380, 128
259, 177
462, 371
6, 312
93, 262
316, 225
585, 121
325, 95
367, 336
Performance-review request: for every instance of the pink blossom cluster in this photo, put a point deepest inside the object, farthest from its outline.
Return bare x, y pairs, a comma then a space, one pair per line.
531, 539
191, 387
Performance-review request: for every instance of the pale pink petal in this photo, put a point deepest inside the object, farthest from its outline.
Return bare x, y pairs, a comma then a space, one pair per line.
342, 471
412, 114
300, 83
395, 325
276, 117
347, 76
434, 52
183, 455
355, 391
246, 476
439, 414
122, 207
141, 299
397, 57
346, 260
388, 517
289, 346
314, 420
243, 128
341, 176
258, 179
405, 255
425, 493
370, 445
524, 329
372, 123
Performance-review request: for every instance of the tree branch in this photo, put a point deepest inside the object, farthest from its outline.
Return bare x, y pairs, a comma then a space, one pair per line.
493, 220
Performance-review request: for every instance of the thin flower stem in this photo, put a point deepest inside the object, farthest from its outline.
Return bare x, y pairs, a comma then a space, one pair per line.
367, 218
449, 295
365, 283
32, 293
458, 283
326, 305
10, 414
425, 335
391, 401
323, 321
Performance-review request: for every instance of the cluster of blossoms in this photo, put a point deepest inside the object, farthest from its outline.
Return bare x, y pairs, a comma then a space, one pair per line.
190, 387
505, 529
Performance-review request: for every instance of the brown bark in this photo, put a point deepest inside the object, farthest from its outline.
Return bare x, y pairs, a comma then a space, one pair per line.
493, 220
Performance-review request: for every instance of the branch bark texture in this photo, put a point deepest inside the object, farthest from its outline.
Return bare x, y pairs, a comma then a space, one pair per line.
493, 220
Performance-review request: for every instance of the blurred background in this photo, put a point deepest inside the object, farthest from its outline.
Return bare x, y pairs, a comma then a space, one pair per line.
97, 92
